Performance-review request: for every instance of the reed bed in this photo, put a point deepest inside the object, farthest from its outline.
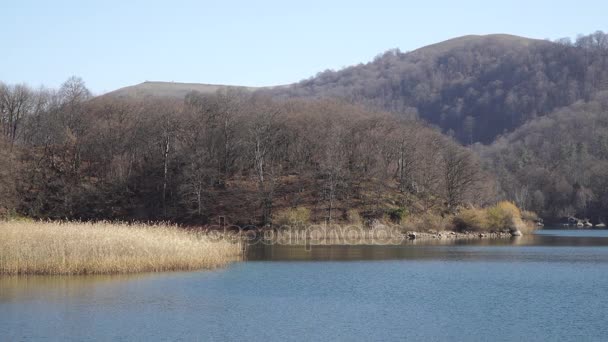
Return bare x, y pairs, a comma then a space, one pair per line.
66, 248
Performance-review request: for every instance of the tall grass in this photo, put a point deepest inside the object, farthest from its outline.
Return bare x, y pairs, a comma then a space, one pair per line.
55, 248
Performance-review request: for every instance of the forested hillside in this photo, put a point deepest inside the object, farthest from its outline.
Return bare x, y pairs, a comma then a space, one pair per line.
231, 153
557, 165
366, 139
474, 87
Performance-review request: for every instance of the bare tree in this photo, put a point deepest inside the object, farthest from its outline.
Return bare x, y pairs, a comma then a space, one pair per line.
15, 103
9, 166
461, 173
168, 129
221, 114
266, 143
332, 166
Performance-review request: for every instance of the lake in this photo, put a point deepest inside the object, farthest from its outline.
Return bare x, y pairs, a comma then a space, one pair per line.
550, 286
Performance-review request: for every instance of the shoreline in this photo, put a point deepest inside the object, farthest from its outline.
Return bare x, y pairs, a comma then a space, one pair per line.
345, 236
452, 235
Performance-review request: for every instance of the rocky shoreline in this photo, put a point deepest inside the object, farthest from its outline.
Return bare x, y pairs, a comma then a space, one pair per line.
343, 237
452, 235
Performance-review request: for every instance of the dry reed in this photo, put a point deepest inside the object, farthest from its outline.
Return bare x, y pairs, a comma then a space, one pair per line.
66, 248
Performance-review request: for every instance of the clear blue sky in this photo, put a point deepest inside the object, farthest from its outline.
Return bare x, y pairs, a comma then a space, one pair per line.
112, 43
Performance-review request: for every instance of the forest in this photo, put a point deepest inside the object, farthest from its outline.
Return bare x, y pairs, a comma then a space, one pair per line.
556, 165
460, 124
244, 156
474, 88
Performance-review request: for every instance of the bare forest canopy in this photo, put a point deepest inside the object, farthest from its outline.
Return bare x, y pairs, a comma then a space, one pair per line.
556, 165
474, 88
376, 138
231, 153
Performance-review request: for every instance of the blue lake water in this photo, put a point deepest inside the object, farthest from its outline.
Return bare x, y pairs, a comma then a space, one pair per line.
549, 287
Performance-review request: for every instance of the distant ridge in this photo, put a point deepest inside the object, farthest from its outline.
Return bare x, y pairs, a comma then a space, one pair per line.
474, 88
180, 90
169, 89
499, 39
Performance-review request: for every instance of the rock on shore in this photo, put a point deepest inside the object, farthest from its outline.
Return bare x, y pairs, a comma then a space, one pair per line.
449, 235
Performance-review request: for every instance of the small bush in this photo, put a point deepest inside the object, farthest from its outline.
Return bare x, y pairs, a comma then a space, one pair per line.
433, 221
497, 218
397, 215
426, 222
471, 219
503, 216
292, 216
353, 217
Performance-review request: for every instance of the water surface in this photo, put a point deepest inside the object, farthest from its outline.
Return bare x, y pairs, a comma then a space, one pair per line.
551, 286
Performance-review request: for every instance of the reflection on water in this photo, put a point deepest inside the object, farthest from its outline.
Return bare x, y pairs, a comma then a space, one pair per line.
57, 288
550, 286
466, 249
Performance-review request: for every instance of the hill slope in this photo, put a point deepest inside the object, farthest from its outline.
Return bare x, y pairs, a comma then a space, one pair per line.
169, 89
557, 165
473, 87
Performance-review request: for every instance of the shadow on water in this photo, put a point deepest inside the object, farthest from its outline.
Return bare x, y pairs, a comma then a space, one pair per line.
33, 287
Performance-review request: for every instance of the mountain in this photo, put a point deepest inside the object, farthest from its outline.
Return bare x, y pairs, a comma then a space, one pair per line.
473, 87
541, 107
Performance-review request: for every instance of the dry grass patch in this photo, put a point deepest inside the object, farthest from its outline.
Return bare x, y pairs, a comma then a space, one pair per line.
105, 248
504, 216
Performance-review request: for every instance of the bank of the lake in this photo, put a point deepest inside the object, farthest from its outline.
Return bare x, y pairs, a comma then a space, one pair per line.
71, 248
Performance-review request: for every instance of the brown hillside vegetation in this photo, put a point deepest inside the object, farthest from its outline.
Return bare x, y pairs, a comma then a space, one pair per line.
557, 165
234, 154
474, 87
